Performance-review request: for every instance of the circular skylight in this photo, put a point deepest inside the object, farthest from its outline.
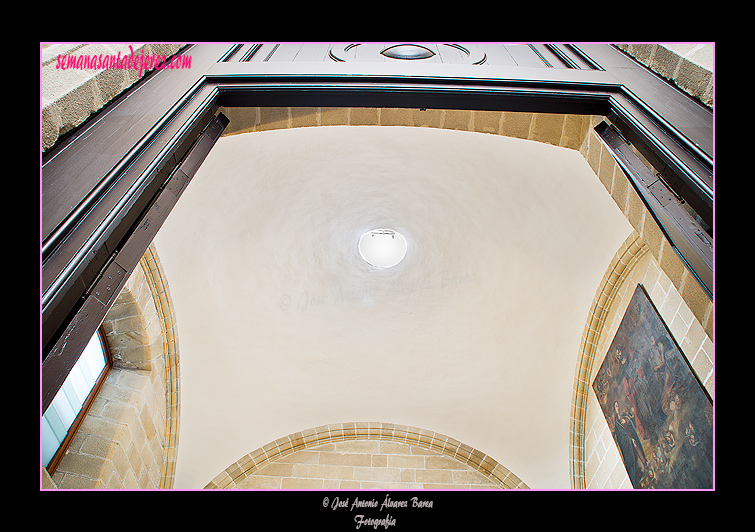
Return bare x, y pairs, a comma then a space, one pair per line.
382, 248
407, 51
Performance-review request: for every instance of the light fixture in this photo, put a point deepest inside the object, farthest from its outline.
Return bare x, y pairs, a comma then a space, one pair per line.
382, 248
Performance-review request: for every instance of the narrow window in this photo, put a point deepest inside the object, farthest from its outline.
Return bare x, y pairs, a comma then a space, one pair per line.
66, 412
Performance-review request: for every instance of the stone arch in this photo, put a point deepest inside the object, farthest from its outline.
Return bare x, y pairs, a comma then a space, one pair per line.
434, 443
631, 250
565, 130
165, 313
129, 436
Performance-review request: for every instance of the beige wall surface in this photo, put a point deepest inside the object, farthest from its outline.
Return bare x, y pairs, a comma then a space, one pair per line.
283, 327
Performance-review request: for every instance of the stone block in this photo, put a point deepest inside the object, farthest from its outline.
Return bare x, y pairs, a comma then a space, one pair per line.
99, 447
136, 381
358, 446
434, 476
427, 117
516, 125
406, 461
280, 469
487, 121
305, 116
389, 447
241, 119
351, 459
606, 168
457, 119
416, 449
289, 483
696, 297
396, 117
103, 428
547, 128
443, 462
273, 118
119, 412
330, 472
594, 149
260, 482
50, 52
574, 131
369, 485
301, 457
635, 208
83, 465
334, 116
693, 79
377, 474
468, 477
364, 116
150, 431
671, 263
664, 62
52, 123
75, 482
620, 186
643, 52
702, 363
130, 481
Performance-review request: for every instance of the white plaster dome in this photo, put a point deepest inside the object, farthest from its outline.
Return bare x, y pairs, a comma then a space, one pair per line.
283, 326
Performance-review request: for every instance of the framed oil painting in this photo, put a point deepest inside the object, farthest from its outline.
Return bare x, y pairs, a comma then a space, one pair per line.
660, 416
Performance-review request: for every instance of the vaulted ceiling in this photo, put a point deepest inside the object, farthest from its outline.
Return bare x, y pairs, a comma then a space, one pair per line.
475, 334
282, 326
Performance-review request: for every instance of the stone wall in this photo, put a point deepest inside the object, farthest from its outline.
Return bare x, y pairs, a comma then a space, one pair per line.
71, 95
630, 203
646, 258
604, 468
367, 465
128, 437
568, 131
689, 66
366, 456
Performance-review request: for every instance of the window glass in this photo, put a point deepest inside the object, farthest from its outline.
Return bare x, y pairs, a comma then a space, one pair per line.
72, 397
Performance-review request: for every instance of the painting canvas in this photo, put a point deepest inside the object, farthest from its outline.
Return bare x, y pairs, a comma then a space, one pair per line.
660, 416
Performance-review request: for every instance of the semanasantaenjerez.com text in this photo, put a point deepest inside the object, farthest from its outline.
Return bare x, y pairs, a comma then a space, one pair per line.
142, 62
